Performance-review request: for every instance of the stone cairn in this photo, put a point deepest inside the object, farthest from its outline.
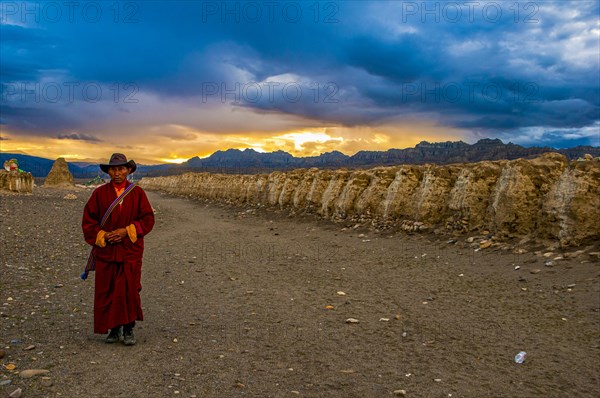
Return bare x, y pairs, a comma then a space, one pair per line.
59, 175
15, 180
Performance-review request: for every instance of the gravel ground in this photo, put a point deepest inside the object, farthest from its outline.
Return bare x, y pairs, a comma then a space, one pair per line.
243, 302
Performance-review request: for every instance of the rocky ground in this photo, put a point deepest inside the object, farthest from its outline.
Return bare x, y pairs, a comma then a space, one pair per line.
240, 302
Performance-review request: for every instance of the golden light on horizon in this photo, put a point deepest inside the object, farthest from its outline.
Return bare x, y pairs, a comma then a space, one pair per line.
173, 160
73, 157
299, 139
177, 144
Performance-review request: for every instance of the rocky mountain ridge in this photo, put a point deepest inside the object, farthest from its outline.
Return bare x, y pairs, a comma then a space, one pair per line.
249, 161
424, 152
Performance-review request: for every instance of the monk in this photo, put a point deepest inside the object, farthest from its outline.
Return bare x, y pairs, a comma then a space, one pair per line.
117, 248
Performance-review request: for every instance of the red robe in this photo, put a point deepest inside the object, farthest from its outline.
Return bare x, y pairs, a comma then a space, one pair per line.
118, 266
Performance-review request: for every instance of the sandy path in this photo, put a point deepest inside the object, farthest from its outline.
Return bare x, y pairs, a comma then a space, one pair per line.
235, 306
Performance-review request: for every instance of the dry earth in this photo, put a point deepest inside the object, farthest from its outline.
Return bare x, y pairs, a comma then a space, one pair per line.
235, 302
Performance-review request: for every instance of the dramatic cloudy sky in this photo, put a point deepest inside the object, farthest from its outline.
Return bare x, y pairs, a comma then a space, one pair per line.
167, 81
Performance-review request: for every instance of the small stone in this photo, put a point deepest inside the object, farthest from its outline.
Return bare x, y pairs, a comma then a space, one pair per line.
437, 380
340, 293
575, 254
535, 271
517, 267
384, 319
16, 393
524, 289
400, 393
549, 263
352, 320
29, 373
295, 392
548, 254
47, 382
5, 382
484, 244
470, 239
239, 385
175, 340
571, 285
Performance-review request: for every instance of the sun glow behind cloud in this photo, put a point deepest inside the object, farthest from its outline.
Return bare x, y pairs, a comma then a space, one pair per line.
174, 160
300, 139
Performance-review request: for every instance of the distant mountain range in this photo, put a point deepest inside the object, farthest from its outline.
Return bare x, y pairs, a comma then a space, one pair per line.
251, 161
424, 152
40, 167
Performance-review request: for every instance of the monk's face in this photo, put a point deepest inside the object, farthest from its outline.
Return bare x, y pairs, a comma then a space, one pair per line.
118, 174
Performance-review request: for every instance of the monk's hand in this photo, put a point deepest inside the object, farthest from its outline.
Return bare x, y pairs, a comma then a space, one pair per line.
110, 237
117, 235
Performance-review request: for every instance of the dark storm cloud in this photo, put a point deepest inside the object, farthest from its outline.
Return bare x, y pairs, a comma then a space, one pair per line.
78, 137
354, 62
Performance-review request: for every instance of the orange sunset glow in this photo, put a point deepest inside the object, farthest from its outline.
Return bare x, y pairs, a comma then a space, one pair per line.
160, 147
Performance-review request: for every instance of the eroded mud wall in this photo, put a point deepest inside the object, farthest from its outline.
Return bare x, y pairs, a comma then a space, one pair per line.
16, 181
546, 197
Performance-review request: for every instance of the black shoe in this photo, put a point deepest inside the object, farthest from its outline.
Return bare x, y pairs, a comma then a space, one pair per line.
113, 336
128, 337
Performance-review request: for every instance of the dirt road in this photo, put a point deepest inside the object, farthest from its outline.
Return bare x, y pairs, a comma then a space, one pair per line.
236, 301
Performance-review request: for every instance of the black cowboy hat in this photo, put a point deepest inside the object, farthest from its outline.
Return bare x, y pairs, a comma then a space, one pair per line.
118, 159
